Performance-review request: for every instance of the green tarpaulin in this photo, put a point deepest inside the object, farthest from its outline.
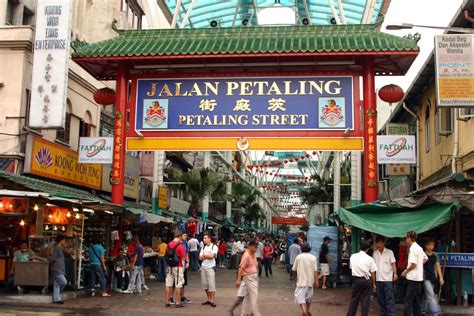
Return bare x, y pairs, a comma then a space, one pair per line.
395, 221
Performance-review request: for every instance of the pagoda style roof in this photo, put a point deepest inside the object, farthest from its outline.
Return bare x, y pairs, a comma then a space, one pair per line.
278, 44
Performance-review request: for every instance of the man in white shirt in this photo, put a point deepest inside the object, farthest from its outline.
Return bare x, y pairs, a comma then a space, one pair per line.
236, 252
293, 251
208, 256
414, 275
306, 269
386, 275
363, 271
259, 255
193, 245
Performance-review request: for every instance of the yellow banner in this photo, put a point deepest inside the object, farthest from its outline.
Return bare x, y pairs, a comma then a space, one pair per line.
53, 161
163, 197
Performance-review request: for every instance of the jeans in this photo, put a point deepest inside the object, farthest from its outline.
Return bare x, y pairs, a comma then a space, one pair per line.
412, 299
429, 303
259, 260
97, 272
59, 284
386, 298
135, 284
401, 286
122, 279
194, 261
360, 292
267, 263
161, 268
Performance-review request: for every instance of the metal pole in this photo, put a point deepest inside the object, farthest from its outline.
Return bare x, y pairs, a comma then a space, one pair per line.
78, 281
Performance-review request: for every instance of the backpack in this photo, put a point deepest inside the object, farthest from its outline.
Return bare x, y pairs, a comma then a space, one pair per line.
171, 256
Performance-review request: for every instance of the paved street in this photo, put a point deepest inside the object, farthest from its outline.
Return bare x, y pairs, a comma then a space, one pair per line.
276, 296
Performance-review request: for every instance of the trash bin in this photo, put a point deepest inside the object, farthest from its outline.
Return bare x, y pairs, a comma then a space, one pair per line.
32, 273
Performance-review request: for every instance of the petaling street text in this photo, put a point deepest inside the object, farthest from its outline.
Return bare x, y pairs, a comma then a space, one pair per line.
245, 88
243, 120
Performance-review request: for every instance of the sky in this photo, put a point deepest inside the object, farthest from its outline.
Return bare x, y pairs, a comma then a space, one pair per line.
420, 12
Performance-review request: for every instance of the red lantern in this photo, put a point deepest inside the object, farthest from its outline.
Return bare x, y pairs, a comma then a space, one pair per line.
391, 93
104, 96
308, 155
296, 159
314, 153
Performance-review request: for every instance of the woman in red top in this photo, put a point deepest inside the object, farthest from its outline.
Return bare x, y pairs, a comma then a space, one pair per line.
222, 252
268, 258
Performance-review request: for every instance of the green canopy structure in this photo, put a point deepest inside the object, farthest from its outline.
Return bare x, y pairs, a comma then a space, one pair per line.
395, 221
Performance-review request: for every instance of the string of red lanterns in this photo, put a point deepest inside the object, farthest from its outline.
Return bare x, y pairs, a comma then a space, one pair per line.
279, 163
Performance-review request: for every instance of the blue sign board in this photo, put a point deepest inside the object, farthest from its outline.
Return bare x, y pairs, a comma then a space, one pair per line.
256, 103
457, 260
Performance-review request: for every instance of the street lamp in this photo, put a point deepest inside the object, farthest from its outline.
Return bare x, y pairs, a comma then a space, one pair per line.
409, 26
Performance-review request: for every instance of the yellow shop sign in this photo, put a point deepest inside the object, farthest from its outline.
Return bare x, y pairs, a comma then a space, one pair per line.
56, 162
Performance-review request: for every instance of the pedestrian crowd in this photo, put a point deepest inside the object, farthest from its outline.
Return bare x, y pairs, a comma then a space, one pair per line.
374, 271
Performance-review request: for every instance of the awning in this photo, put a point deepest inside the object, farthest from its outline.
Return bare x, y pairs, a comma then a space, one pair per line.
154, 219
395, 221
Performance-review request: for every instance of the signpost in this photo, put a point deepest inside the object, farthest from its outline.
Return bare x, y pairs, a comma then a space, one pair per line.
458, 260
50, 69
454, 65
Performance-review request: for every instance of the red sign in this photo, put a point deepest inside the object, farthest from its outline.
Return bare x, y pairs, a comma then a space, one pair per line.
118, 145
289, 220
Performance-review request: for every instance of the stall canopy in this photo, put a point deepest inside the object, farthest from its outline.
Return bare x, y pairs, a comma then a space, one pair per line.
395, 221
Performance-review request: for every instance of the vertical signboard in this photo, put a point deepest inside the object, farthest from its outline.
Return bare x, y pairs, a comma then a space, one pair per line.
50, 70
454, 70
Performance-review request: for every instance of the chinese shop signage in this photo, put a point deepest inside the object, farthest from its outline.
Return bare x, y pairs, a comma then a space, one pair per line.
455, 70
230, 104
57, 162
50, 70
396, 149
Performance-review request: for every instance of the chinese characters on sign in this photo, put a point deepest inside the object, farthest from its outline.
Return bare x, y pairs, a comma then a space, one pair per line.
51, 53
371, 150
268, 103
118, 149
455, 70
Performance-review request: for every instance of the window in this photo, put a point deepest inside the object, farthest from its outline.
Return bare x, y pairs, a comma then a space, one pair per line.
64, 135
446, 121
28, 104
10, 11
467, 113
27, 16
84, 129
437, 127
427, 128
134, 13
106, 125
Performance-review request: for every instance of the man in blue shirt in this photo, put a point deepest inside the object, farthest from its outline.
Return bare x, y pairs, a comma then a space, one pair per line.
137, 262
98, 268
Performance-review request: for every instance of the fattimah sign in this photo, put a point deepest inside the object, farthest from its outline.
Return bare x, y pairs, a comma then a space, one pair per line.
396, 149
240, 104
454, 70
51, 53
96, 150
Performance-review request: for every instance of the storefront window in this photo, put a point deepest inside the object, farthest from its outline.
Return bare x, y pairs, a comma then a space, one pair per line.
64, 135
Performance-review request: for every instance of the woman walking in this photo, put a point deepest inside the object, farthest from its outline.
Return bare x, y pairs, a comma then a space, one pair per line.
268, 258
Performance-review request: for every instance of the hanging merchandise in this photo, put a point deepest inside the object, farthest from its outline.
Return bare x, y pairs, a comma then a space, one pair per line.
128, 235
181, 226
192, 227
114, 235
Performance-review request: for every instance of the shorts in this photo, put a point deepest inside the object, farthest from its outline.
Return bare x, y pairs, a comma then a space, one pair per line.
174, 276
282, 257
303, 295
324, 268
208, 279
242, 291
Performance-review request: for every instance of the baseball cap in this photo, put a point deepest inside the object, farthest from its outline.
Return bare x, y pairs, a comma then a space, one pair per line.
327, 238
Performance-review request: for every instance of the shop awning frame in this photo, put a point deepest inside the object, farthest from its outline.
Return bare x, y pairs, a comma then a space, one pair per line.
395, 221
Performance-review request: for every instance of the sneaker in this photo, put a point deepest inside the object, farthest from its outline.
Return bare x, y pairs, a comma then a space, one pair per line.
179, 305
152, 277
146, 288
184, 300
127, 292
171, 302
119, 290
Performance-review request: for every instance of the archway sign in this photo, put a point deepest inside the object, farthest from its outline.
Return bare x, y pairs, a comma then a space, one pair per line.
256, 88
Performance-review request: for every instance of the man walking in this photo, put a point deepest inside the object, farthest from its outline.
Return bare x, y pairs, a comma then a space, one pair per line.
136, 263
175, 257
414, 275
386, 275
324, 260
97, 267
59, 269
248, 274
363, 271
306, 270
293, 251
193, 245
259, 255
208, 256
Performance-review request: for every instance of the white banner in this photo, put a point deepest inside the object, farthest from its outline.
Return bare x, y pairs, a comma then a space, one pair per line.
454, 70
96, 150
396, 149
179, 206
50, 70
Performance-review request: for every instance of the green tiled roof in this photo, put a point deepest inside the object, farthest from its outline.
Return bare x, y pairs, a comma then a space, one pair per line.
50, 188
247, 40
